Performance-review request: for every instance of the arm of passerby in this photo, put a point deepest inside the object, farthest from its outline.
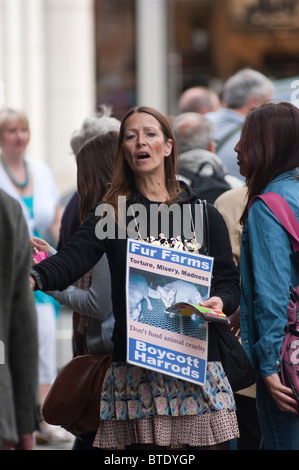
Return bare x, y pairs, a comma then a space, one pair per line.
283, 396
95, 301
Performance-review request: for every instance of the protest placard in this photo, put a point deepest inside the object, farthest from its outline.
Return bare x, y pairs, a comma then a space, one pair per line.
157, 278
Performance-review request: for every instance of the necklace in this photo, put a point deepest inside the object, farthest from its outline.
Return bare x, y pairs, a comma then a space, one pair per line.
11, 176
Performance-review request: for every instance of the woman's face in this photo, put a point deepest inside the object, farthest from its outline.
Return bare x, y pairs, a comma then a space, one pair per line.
14, 138
242, 160
144, 144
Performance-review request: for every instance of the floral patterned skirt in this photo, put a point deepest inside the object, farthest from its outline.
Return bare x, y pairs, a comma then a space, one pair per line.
140, 406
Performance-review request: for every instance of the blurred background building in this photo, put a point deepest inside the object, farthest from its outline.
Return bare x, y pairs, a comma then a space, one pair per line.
61, 59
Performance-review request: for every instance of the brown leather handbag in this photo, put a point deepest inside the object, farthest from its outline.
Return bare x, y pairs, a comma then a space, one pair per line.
73, 401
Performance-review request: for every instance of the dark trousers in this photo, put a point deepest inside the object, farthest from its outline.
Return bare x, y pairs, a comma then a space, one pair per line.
249, 426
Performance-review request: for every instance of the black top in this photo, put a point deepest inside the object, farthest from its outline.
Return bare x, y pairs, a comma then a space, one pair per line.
82, 252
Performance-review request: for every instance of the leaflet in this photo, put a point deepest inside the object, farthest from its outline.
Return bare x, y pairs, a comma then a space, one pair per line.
207, 314
167, 341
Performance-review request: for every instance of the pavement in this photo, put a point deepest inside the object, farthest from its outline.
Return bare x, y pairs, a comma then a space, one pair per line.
63, 446
64, 354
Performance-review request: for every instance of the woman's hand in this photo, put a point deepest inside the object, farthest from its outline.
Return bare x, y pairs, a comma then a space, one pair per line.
213, 302
40, 245
283, 396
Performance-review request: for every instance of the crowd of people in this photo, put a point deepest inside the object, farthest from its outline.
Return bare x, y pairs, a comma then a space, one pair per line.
225, 150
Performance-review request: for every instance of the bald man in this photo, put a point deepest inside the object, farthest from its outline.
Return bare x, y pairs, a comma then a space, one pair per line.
198, 100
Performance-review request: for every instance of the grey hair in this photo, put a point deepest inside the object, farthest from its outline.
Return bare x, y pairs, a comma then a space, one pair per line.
101, 123
192, 131
245, 83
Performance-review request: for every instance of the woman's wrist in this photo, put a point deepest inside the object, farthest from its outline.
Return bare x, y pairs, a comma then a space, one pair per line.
34, 275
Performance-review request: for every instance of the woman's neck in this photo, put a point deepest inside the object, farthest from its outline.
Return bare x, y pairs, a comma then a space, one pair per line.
17, 171
153, 189
12, 159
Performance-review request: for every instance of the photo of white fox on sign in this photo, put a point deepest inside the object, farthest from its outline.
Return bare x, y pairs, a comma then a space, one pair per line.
159, 277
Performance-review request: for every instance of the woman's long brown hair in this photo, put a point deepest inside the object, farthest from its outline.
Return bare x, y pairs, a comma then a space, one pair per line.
270, 144
95, 162
123, 181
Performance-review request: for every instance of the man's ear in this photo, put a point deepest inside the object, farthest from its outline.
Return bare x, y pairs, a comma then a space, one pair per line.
212, 146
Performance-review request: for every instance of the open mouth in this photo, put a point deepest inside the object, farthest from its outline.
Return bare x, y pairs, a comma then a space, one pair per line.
143, 156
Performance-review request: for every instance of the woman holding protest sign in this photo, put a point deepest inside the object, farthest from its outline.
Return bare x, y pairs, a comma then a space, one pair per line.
140, 408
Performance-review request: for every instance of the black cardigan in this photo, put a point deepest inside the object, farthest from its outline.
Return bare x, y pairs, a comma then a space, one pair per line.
83, 251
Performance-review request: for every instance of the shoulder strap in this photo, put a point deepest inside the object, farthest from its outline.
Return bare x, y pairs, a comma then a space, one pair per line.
205, 245
206, 227
282, 211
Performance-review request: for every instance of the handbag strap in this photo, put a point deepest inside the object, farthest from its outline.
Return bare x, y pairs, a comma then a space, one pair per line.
282, 211
206, 227
205, 247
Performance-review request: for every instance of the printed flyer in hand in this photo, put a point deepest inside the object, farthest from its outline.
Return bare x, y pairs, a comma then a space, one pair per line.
170, 342
207, 314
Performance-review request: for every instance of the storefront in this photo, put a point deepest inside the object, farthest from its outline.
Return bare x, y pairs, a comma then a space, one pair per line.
206, 41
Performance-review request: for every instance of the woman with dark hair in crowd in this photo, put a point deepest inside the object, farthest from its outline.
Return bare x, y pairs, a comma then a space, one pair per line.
268, 156
141, 408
